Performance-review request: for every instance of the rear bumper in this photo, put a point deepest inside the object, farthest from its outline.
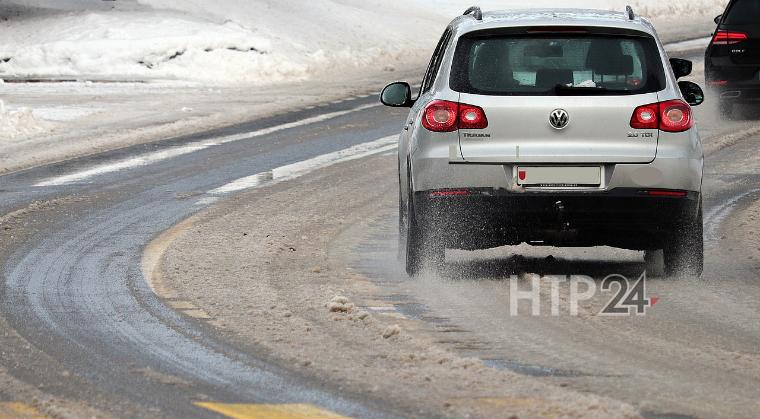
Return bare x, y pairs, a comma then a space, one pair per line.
622, 217
677, 165
734, 83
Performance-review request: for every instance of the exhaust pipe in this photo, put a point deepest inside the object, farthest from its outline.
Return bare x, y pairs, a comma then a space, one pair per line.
731, 94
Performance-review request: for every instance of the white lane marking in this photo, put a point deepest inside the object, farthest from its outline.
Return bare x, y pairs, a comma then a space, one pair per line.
301, 168
157, 156
295, 124
204, 202
121, 165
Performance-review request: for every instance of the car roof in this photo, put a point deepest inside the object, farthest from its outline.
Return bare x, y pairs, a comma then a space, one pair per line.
552, 17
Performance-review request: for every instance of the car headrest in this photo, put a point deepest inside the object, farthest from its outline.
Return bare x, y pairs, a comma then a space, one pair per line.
606, 57
488, 57
491, 68
550, 77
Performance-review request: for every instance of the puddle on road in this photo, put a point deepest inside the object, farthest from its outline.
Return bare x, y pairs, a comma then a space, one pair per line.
532, 370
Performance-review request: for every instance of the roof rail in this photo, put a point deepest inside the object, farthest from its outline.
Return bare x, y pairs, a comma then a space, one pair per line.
475, 11
629, 11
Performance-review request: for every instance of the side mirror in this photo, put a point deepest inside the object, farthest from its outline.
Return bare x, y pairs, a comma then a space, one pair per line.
397, 95
681, 67
717, 19
691, 92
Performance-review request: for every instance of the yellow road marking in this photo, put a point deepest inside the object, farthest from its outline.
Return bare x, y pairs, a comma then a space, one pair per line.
15, 410
270, 411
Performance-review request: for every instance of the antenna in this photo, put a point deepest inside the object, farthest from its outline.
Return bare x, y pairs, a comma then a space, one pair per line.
475, 11
629, 11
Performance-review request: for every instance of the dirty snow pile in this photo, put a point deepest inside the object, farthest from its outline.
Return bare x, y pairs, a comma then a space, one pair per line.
139, 45
244, 41
231, 42
19, 123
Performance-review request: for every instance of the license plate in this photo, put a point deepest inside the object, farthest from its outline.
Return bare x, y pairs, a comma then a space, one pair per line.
559, 176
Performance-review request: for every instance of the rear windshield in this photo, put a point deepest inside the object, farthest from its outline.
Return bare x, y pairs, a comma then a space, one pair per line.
743, 12
557, 64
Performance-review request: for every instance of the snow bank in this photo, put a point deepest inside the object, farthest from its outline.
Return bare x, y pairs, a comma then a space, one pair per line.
248, 41
235, 41
140, 45
19, 123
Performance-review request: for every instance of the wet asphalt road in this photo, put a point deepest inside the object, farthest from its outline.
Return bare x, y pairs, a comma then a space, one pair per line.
73, 288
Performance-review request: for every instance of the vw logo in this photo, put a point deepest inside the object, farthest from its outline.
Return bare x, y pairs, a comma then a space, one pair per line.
559, 118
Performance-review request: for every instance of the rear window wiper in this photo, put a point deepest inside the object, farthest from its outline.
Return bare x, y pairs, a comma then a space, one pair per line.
562, 89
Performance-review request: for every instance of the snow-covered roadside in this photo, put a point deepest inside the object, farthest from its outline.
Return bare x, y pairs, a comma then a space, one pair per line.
232, 42
188, 68
139, 45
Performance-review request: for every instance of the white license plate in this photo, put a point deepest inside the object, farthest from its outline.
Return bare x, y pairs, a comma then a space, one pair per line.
567, 176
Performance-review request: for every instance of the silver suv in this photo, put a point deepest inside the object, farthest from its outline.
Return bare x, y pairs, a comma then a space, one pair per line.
551, 127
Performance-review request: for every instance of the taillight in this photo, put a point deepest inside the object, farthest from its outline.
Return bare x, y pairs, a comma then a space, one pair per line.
440, 116
472, 117
645, 117
675, 116
445, 116
728, 38
670, 116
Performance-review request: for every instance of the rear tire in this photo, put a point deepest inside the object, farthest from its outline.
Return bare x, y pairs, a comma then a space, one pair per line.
684, 254
422, 250
654, 262
402, 223
413, 247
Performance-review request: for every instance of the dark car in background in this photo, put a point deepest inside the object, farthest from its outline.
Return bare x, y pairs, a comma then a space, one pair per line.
732, 61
